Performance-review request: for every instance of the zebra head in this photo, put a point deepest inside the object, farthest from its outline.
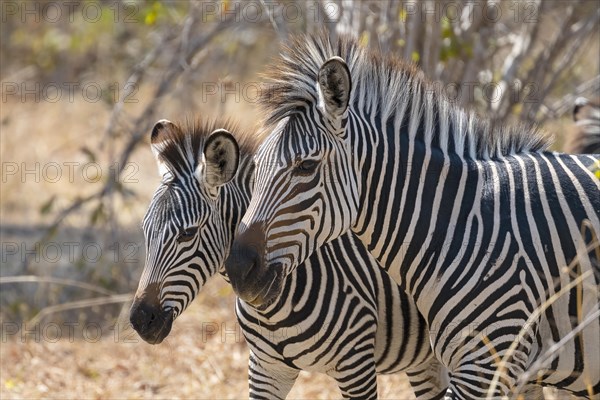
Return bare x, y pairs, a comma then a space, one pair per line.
305, 191
185, 232
586, 135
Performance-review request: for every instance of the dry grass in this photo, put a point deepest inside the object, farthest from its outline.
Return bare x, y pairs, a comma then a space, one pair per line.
190, 364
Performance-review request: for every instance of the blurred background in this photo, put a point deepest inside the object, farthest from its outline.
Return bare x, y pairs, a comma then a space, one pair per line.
84, 81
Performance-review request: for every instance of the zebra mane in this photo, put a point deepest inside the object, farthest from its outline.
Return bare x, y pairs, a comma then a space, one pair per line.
382, 84
181, 145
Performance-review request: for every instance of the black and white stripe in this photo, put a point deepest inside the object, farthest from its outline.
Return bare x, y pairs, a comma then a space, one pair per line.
348, 323
478, 223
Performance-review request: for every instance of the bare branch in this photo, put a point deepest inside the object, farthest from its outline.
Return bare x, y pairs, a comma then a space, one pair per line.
279, 28
567, 102
522, 47
58, 281
141, 125
576, 39
72, 305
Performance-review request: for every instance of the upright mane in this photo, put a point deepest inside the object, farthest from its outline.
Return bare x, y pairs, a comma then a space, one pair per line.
381, 85
182, 144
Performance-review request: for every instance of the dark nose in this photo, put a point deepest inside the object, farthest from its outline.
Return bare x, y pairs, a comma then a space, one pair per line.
143, 316
147, 317
245, 260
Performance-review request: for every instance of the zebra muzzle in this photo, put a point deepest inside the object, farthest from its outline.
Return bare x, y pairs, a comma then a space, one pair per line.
149, 320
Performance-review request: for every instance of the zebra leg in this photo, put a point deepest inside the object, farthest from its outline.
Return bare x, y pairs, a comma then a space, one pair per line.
270, 380
486, 363
356, 377
468, 385
429, 380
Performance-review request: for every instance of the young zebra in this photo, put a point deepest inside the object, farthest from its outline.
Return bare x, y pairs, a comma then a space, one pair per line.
347, 323
586, 139
478, 224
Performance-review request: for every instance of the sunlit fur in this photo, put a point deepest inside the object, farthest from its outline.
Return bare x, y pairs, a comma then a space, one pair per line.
349, 324
477, 222
387, 87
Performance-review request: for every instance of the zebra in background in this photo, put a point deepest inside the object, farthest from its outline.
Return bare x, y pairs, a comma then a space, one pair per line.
586, 138
489, 234
343, 322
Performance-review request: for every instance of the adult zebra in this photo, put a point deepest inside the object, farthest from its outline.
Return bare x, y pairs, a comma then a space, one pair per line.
330, 319
477, 223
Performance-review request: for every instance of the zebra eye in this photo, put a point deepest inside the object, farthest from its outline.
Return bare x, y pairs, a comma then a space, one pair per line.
307, 166
187, 235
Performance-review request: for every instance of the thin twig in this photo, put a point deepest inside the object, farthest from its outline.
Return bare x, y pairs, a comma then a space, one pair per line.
72, 305
58, 281
142, 122
554, 351
534, 316
277, 28
567, 102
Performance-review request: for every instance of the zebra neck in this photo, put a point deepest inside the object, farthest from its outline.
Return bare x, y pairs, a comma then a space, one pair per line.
244, 179
236, 197
427, 196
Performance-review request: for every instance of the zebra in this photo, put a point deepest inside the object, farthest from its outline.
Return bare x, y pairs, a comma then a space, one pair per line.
586, 138
490, 234
331, 319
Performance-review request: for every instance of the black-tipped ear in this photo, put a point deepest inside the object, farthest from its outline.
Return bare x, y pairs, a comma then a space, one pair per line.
221, 158
160, 130
334, 84
158, 136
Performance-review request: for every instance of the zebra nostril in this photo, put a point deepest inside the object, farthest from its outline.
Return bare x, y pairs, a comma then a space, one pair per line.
147, 316
253, 264
143, 315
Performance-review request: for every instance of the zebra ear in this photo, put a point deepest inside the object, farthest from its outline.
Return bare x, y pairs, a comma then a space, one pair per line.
334, 85
221, 158
158, 136
580, 102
